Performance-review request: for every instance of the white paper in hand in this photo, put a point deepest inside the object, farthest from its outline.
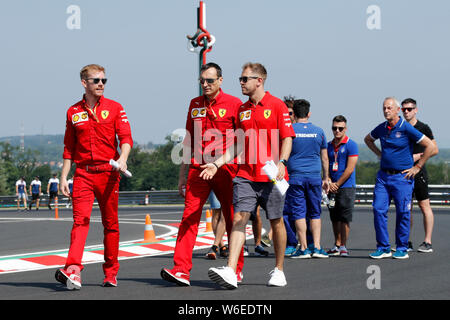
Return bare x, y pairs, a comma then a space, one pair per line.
116, 165
271, 171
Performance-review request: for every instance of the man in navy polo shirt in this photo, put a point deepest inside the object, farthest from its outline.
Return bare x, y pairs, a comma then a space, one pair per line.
395, 179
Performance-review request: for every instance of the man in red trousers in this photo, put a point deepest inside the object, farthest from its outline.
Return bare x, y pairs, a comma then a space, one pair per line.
92, 128
210, 126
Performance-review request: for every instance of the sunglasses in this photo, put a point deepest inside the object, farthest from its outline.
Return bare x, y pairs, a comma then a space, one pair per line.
245, 79
97, 80
407, 109
291, 113
340, 129
209, 81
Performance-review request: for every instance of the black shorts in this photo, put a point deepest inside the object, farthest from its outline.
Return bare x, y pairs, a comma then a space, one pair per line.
420, 191
344, 204
34, 196
53, 194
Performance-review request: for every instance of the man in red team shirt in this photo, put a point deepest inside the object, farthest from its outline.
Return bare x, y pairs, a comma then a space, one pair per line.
267, 128
92, 126
210, 126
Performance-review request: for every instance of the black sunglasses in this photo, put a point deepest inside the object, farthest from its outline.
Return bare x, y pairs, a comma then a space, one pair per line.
407, 109
245, 79
209, 81
97, 80
338, 128
291, 113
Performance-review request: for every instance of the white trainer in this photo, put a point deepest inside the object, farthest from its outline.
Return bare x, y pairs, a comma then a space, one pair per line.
224, 277
277, 278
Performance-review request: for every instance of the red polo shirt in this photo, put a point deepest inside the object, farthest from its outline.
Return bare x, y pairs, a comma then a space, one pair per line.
210, 126
265, 125
90, 136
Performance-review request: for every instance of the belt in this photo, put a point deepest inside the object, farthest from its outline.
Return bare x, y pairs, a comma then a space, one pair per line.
99, 168
392, 171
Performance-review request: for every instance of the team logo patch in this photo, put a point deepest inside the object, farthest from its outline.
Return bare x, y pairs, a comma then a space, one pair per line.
105, 114
398, 134
80, 117
267, 113
198, 112
222, 112
245, 115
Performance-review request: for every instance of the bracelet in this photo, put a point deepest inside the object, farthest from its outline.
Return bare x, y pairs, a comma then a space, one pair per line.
216, 165
420, 167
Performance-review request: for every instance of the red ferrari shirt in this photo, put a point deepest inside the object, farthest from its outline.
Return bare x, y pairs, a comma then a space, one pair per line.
210, 126
265, 126
90, 136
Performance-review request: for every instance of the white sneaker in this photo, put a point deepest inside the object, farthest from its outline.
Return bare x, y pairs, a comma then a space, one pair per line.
224, 277
277, 278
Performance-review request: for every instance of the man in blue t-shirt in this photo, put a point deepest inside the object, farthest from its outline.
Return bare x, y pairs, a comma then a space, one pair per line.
52, 190
395, 179
35, 190
342, 155
307, 161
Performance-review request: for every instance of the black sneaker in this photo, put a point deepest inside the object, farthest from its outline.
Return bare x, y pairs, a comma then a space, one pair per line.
259, 250
425, 247
410, 246
212, 253
224, 251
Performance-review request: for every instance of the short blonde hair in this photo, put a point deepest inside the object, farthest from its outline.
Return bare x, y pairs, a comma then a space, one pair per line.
90, 67
257, 68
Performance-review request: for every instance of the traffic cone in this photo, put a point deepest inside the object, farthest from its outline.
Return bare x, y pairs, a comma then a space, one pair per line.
149, 233
208, 221
56, 208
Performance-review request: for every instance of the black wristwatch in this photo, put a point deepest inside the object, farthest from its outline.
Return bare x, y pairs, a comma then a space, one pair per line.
284, 162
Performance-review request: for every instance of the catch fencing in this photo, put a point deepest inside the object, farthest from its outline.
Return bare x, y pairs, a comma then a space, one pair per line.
439, 195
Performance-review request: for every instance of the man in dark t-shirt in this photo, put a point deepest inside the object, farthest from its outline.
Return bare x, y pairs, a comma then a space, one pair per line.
409, 109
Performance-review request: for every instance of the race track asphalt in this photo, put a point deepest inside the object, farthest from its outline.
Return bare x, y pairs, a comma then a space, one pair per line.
422, 276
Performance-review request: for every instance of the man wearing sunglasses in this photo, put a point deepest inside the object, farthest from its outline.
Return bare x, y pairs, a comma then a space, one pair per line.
93, 126
409, 108
263, 121
395, 179
343, 155
211, 121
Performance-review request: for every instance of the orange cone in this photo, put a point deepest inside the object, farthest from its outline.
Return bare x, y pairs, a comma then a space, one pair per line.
208, 221
149, 233
56, 208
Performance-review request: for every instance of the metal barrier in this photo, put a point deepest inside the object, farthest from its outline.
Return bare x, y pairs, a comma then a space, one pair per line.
439, 195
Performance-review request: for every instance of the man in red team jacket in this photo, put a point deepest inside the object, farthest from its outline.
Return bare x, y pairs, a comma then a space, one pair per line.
92, 128
210, 125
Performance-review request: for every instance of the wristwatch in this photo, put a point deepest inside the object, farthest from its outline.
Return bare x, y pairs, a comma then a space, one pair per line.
283, 161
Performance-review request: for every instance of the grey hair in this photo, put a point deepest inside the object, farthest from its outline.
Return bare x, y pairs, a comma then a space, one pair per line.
393, 99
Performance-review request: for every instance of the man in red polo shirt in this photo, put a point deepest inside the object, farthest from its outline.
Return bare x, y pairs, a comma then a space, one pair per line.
210, 126
265, 134
92, 128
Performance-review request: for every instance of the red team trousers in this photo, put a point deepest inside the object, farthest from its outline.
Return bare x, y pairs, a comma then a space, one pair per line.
103, 185
197, 192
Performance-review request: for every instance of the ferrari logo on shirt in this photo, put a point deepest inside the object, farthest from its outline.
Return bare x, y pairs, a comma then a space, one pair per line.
198, 112
79, 117
245, 115
105, 114
222, 112
267, 113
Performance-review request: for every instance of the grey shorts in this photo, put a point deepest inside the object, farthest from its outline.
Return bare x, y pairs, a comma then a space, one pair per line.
247, 195
344, 204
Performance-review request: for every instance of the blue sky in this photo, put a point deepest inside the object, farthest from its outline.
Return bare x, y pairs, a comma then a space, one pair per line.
319, 50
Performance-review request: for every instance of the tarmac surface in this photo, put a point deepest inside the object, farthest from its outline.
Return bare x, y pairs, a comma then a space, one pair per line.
422, 276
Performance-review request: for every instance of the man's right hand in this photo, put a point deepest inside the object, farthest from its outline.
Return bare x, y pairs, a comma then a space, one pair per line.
64, 187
